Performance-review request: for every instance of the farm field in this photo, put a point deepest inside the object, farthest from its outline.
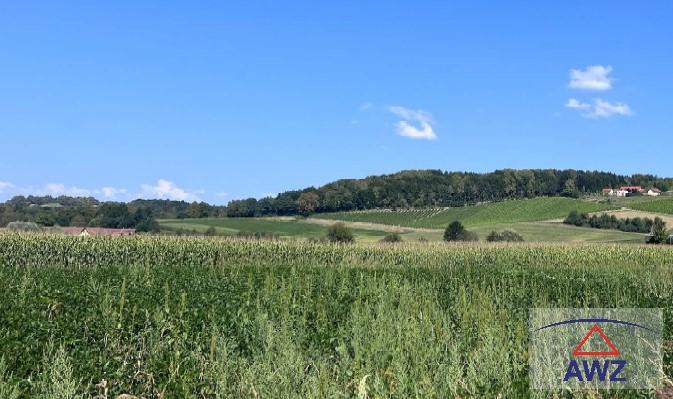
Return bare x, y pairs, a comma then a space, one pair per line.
559, 232
196, 317
658, 205
513, 211
285, 227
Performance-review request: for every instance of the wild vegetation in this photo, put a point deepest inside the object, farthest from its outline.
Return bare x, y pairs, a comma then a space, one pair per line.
185, 317
606, 221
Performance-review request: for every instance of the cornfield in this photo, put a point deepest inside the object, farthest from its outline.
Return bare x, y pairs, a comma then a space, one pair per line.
190, 317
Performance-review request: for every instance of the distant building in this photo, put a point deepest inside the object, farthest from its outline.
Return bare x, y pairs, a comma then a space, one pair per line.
653, 192
608, 191
632, 189
97, 231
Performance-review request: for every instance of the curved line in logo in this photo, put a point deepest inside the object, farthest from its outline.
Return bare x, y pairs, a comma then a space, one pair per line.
575, 321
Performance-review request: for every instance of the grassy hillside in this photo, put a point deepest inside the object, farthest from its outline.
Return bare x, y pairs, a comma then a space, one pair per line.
207, 318
657, 205
283, 227
527, 210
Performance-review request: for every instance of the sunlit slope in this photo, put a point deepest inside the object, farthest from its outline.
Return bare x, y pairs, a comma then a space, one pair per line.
514, 211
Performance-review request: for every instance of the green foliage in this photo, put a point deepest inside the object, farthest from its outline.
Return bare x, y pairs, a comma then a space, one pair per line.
23, 227
606, 221
456, 232
339, 233
279, 227
435, 188
392, 238
510, 211
181, 317
659, 234
658, 205
504, 236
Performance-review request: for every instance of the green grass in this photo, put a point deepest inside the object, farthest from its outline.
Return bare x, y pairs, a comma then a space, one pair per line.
281, 227
657, 205
527, 210
217, 318
559, 232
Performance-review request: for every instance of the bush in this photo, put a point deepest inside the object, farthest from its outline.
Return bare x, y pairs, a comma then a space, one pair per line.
659, 234
392, 238
256, 235
23, 226
505, 236
338, 232
456, 232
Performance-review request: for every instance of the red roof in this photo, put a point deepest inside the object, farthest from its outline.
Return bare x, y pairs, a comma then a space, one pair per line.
607, 190
656, 190
631, 188
99, 231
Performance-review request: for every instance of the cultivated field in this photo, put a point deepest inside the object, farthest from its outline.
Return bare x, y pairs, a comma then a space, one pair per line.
194, 317
513, 211
283, 227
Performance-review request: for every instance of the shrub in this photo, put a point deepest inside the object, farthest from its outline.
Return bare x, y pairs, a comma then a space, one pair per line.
338, 232
505, 236
456, 232
257, 235
659, 234
23, 226
392, 238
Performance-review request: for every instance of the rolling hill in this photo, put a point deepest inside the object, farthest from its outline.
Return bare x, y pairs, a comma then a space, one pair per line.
512, 211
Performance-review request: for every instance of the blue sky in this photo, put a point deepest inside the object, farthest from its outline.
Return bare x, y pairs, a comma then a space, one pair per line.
221, 100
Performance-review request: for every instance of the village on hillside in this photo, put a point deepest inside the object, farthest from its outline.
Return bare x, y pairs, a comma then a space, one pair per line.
628, 191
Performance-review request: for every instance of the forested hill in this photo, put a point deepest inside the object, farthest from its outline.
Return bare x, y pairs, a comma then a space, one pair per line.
414, 188
423, 188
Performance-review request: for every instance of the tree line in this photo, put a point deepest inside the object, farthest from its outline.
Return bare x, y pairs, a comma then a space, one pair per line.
435, 188
406, 189
87, 211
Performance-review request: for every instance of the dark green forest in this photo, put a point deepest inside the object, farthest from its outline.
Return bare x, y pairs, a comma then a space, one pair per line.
435, 188
406, 189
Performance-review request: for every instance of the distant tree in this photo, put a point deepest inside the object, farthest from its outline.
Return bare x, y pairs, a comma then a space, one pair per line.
574, 218
569, 189
659, 234
392, 238
338, 232
505, 236
23, 227
307, 203
456, 232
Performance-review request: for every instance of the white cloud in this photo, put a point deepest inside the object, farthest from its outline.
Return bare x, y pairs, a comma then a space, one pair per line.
604, 109
594, 77
575, 104
4, 185
365, 106
222, 194
111, 192
165, 189
416, 124
600, 108
56, 189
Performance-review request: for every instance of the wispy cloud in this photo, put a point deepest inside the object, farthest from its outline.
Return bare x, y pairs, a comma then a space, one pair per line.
593, 77
5, 185
112, 192
165, 189
365, 106
56, 189
415, 124
599, 109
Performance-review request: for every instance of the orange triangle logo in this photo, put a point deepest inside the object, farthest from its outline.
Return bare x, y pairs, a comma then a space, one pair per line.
578, 351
